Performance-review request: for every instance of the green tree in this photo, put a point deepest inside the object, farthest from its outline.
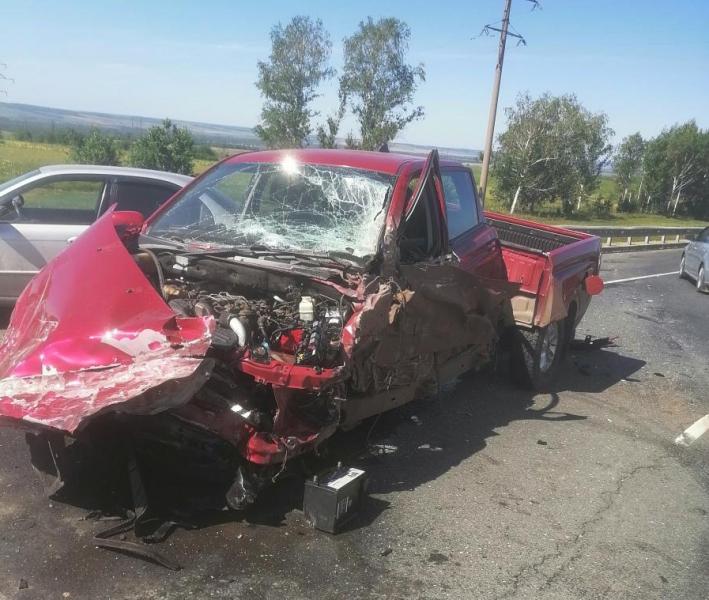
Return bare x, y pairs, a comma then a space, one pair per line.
553, 148
377, 84
23, 135
677, 170
289, 79
327, 133
205, 152
95, 149
164, 147
70, 137
627, 164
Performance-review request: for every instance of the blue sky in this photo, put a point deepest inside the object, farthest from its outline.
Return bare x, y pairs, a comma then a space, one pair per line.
644, 62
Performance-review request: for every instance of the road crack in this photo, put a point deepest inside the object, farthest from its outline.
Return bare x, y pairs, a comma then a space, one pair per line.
609, 498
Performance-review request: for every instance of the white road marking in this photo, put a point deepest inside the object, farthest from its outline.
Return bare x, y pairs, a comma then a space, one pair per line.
693, 432
640, 277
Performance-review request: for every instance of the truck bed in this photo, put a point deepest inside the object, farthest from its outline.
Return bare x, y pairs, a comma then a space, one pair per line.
549, 264
528, 237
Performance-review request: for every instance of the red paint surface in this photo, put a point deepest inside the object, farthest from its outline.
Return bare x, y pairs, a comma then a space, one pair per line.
554, 277
90, 331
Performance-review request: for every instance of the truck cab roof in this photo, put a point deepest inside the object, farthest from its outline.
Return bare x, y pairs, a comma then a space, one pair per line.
383, 162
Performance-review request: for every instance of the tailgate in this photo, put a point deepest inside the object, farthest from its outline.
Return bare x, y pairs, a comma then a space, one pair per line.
549, 264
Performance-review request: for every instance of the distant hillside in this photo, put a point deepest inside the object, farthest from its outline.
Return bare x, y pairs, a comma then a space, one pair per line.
42, 118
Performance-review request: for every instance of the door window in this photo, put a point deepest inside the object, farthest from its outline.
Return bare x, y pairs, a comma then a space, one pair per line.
461, 207
142, 197
65, 201
420, 236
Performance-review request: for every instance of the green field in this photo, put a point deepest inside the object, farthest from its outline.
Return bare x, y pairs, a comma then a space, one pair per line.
18, 157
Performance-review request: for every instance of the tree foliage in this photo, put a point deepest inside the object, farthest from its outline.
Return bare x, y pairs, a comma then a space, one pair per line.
553, 148
289, 79
377, 84
327, 133
96, 148
164, 147
628, 159
676, 168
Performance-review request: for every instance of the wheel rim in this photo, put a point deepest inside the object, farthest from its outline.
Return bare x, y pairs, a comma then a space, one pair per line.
550, 346
681, 267
700, 279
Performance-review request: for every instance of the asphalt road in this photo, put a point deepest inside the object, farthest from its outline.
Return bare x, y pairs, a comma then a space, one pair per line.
487, 492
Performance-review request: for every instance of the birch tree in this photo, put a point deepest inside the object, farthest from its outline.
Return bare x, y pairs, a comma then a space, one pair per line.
377, 83
627, 164
677, 170
553, 148
289, 80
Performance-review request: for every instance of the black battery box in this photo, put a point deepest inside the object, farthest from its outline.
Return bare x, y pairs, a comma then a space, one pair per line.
334, 497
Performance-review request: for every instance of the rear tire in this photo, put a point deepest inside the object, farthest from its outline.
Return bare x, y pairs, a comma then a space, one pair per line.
682, 271
537, 355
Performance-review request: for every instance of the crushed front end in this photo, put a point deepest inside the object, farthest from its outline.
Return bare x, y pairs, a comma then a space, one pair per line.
197, 345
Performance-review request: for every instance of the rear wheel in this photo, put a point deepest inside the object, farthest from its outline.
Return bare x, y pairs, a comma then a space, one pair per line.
537, 355
701, 282
682, 271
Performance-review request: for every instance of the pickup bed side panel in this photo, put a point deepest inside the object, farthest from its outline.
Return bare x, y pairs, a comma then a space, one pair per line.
550, 264
568, 268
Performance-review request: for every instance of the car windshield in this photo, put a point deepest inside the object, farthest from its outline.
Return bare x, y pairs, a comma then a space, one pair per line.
286, 206
12, 182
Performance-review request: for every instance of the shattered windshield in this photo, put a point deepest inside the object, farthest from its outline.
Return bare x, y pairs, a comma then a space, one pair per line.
285, 206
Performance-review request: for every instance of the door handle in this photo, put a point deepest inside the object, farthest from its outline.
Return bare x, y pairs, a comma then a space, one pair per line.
71, 239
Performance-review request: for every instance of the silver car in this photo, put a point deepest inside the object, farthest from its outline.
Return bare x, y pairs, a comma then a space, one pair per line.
695, 261
44, 210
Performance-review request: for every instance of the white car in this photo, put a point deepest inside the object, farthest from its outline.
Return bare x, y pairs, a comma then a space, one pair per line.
695, 261
44, 210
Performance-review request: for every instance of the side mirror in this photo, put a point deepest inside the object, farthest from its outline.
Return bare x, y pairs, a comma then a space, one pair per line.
12, 203
128, 223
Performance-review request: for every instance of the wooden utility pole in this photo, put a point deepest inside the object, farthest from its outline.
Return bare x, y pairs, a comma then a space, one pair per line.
489, 135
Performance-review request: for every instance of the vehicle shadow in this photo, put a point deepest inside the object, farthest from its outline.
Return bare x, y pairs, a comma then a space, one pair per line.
595, 371
421, 441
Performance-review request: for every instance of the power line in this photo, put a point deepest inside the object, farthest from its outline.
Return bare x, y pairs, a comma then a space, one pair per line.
504, 31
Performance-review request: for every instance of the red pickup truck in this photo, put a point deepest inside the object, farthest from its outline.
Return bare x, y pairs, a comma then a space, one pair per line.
278, 297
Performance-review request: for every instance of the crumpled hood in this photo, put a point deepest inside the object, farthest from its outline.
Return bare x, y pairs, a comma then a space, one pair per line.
90, 332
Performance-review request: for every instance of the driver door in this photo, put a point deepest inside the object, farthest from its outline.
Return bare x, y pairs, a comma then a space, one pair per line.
52, 213
423, 316
423, 235
444, 320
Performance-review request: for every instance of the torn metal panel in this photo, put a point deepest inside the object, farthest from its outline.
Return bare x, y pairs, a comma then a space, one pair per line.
440, 308
71, 353
64, 401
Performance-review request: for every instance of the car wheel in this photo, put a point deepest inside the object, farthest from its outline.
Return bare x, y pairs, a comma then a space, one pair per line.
701, 283
537, 354
682, 272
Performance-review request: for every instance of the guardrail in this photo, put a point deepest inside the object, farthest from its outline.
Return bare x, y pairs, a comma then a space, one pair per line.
619, 239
